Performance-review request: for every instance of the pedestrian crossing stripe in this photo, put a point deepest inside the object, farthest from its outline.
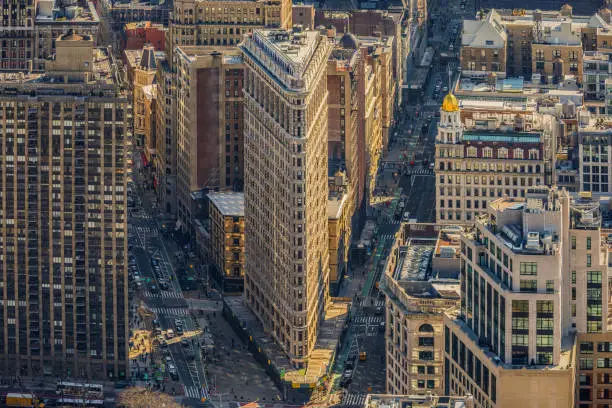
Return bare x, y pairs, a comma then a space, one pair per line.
164, 294
171, 311
192, 392
354, 400
369, 319
368, 303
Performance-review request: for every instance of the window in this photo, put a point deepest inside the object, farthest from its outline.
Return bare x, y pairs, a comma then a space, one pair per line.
529, 285
588, 260
544, 340
426, 341
426, 355
573, 242
487, 152
502, 153
550, 286
426, 328
544, 306
588, 242
594, 277
520, 340
586, 363
518, 153
529, 268
573, 277
472, 151
520, 323
586, 348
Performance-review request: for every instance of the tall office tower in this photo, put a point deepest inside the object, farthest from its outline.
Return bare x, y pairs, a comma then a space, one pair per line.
209, 124
479, 160
286, 190
534, 272
165, 150
63, 244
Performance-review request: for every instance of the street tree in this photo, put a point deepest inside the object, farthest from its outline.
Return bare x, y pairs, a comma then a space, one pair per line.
139, 397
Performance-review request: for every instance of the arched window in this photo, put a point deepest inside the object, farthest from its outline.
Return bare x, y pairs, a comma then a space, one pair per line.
426, 328
471, 151
502, 153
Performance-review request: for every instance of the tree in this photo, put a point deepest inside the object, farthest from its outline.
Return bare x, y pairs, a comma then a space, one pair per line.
138, 397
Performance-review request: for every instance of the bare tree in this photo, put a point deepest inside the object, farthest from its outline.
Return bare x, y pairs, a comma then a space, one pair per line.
138, 397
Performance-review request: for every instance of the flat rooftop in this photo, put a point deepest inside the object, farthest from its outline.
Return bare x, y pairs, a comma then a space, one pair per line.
81, 13
432, 289
448, 238
335, 202
415, 260
101, 70
229, 203
191, 52
293, 49
414, 401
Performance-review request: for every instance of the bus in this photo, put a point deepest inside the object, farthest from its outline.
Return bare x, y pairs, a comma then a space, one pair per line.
80, 390
18, 399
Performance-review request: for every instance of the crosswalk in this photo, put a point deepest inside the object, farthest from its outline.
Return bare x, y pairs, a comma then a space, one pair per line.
422, 172
368, 319
368, 303
353, 400
164, 294
147, 230
387, 237
170, 311
192, 391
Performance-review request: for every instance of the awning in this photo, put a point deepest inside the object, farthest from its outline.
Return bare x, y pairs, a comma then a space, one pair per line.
145, 162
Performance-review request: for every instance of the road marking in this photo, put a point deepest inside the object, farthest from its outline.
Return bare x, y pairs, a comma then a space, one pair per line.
353, 400
163, 294
170, 311
192, 391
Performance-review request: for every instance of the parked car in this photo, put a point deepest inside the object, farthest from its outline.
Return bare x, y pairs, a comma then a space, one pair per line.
179, 330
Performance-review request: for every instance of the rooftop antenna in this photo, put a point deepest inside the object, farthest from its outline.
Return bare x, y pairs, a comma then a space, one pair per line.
450, 86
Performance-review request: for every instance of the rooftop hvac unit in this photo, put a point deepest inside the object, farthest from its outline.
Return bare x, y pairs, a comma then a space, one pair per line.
533, 240
447, 252
587, 216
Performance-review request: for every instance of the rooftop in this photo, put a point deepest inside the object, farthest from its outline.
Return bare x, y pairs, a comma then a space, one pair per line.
293, 49
585, 212
286, 55
414, 262
448, 243
55, 12
230, 203
335, 203
486, 33
417, 401
102, 72
231, 55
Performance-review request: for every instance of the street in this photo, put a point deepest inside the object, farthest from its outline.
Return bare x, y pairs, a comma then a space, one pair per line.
159, 292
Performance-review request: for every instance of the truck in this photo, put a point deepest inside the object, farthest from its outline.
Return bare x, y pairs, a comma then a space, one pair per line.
18, 399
